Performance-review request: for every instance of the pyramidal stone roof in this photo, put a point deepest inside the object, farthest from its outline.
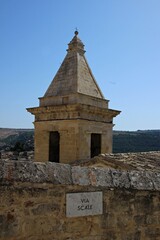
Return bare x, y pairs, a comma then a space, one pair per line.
74, 74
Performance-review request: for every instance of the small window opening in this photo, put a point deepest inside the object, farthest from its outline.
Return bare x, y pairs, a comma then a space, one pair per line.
95, 144
54, 139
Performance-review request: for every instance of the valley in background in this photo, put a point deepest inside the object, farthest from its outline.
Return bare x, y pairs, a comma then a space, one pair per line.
20, 140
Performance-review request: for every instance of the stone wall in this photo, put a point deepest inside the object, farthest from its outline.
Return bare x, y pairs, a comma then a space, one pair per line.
33, 202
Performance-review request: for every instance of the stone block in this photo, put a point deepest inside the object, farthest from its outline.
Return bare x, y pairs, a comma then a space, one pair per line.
25, 171
1, 170
155, 177
144, 203
141, 180
80, 175
8, 226
152, 233
46, 208
58, 173
9, 170
120, 179
100, 177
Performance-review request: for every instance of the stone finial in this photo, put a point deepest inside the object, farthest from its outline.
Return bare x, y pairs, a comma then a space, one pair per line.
76, 44
76, 32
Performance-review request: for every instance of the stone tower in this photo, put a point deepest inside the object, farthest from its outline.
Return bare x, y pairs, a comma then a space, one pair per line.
73, 120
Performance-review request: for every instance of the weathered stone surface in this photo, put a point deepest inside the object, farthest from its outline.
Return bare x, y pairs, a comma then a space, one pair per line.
8, 226
33, 202
141, 161
37, 211
120, 179
101, 177
1, 170
156, 180
80, 176
141, 180
58, 173
22, 171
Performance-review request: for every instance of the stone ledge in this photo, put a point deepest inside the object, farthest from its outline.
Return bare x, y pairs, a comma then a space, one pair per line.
64, 174
35, 172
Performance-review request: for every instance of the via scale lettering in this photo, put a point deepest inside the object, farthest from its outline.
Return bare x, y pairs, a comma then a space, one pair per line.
85, 205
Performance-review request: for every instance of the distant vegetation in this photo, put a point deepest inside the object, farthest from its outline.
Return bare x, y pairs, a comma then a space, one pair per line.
123, 141
18, 140
136, 141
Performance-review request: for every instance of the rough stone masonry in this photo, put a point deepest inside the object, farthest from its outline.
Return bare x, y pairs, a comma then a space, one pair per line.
33, 199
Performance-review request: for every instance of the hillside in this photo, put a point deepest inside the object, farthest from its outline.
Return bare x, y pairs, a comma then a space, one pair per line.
16, 139
136, 141
123, 141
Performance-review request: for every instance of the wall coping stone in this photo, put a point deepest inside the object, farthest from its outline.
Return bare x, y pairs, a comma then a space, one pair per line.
12, 171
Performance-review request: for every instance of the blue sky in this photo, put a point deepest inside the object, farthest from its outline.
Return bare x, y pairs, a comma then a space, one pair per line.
122, 43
